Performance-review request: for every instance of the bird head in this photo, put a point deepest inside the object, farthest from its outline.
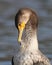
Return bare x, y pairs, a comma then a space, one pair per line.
23, 18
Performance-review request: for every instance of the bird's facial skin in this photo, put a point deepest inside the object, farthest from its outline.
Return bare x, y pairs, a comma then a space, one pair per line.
21, 27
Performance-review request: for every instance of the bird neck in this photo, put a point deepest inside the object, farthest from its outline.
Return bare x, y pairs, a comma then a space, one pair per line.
33, 43
30, 42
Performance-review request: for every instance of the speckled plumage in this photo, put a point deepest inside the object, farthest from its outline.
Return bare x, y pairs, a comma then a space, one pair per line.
28, 53
30, 58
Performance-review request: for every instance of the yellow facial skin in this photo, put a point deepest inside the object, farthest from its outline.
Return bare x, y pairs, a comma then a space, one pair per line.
21, 27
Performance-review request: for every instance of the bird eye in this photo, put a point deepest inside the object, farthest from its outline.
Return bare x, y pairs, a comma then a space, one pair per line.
19, 24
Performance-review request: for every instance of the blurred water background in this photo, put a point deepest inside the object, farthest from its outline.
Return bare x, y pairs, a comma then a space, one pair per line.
8, 31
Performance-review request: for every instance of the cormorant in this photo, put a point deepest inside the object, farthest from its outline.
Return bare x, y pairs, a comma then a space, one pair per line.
26, 21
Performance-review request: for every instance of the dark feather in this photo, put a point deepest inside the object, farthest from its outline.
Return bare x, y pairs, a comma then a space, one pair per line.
39, 63
12, 61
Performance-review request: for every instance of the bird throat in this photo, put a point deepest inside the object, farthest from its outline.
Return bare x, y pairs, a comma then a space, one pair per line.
29, 43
